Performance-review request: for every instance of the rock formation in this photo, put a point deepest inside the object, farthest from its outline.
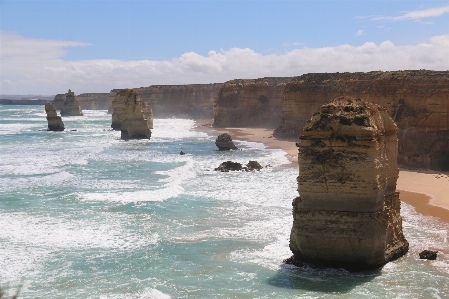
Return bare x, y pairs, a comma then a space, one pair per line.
58, 101
348, 212
235, 166
418, 101
224, 142
182, 101
250, 103
54, 121
119, 108
134, 123
428, 255
111, 99
71, 105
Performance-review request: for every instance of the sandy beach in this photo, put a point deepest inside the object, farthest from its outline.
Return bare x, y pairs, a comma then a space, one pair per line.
427, 191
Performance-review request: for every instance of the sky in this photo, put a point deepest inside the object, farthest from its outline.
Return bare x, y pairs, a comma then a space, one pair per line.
47, 47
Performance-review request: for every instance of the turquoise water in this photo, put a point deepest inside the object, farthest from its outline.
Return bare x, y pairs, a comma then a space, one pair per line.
84, 214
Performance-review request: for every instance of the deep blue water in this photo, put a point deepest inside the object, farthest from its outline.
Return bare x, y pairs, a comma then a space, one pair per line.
84, 214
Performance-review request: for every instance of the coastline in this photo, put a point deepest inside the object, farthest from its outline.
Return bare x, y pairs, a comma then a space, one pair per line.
427, 191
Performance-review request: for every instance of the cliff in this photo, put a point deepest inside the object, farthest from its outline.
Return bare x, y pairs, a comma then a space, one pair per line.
250, 103
418, 101
135, 123
111, 98
182, 101
348, 212
94, 101
71, 105
54, 121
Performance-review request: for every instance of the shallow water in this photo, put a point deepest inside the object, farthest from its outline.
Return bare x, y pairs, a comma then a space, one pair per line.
84, 214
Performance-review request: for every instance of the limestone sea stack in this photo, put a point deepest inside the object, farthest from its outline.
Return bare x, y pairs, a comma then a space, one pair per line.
71, 105
119, 106
58, 101
54, 121
224, 142
348, 212
134, 124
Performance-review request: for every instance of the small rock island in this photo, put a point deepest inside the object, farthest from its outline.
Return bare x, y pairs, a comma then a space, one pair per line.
54, 121
71, 105
224, 142
348, 212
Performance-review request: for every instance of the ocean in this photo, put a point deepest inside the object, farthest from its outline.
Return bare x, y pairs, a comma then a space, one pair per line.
84, 214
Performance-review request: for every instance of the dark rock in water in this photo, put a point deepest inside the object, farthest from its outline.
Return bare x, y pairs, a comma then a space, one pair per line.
182, 153
291, 261
428, 255
54, 121
224, 142
253, 165
229, 166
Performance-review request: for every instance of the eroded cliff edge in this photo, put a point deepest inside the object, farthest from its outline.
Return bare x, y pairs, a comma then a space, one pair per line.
250, 103
348, 212
418, 101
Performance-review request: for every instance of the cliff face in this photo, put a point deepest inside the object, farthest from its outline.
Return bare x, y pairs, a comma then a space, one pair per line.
54, 121
250, 103
71, 105
418, 101
348, 212
93, 101
111, 98
183, 101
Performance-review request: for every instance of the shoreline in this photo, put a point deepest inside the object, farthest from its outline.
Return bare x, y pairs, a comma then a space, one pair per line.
427, 191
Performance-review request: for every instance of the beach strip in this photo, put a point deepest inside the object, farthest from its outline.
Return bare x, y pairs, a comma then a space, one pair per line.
427, 191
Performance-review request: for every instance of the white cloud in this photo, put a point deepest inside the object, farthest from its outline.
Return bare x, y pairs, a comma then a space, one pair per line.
24, 70
417, 14
360, 32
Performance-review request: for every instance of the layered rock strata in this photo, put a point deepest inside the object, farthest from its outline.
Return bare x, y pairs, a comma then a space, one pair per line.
224, 142
183, 101
418, 101
54, 121
348, 212
134, 123
71, 105
111, 99
250, 103
119, 108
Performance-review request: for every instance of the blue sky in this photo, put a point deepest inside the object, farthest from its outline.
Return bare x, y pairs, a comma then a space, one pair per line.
94, 46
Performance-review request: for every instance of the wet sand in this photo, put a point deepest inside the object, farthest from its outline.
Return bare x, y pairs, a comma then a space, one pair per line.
427, 191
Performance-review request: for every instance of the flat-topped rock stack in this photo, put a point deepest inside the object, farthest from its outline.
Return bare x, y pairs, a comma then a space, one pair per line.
71, 105
119, 107
58, 101
54, 121
348, 212
133, 117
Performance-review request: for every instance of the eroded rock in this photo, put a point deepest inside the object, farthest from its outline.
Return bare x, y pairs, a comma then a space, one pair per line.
54, 121
253, 165
134, 124
119, 108
348, 212
229, 166
224, 142
71, 105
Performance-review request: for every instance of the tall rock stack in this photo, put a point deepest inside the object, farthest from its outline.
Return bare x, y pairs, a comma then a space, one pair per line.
54, 121
348, 212
119, 107
71, 105
134, 124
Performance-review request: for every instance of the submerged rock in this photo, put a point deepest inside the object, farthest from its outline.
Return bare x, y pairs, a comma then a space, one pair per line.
253, 165
229, 166
134, 124
428, 255
224, 142
54, 121
71, 105
348, 214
